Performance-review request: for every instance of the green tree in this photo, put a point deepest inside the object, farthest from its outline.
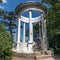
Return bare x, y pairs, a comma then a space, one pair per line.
5, 44
50, 1
9, 20
53, 24
5, 40
0, 1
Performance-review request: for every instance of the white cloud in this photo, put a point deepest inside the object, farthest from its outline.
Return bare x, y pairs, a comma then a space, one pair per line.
1, 7
4, 1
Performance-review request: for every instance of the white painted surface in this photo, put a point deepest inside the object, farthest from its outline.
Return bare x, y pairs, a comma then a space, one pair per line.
34, 20
24, 32
18, 37
30, 48
22, 46
31, 8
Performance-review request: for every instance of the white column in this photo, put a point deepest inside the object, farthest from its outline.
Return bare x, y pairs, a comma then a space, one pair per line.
39, 30
32, 31
30, 43
42, 22
24, 32
30, 27
45, 30
44, 45
18, 37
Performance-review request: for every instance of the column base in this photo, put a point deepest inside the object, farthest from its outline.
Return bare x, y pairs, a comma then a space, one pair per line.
30, 47
23, 47
18, 46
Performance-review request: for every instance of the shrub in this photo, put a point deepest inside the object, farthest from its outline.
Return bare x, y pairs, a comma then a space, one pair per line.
5, 44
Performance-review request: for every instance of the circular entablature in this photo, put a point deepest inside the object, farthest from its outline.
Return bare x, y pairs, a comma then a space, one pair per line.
34, 20
35, 17
30, 6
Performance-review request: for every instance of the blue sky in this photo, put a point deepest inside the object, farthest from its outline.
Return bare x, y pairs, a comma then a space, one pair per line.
10, 5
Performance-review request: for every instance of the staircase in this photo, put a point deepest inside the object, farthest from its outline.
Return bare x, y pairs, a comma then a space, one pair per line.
33, 56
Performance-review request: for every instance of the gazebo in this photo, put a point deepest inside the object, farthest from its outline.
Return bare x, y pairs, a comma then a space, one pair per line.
27, 47
24, 50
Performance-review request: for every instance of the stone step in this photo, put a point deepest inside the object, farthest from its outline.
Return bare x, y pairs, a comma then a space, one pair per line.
38, 55
43, 53
22, 58
44, 57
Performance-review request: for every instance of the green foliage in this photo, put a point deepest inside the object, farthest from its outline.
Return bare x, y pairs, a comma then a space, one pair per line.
36, 30
0, 1
53, 26
54, 42
5, 44
9, 20
10, 16
53, 23
50, 1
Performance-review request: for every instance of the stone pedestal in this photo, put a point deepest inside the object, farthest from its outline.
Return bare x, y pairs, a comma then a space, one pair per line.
30, 47
23, 46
